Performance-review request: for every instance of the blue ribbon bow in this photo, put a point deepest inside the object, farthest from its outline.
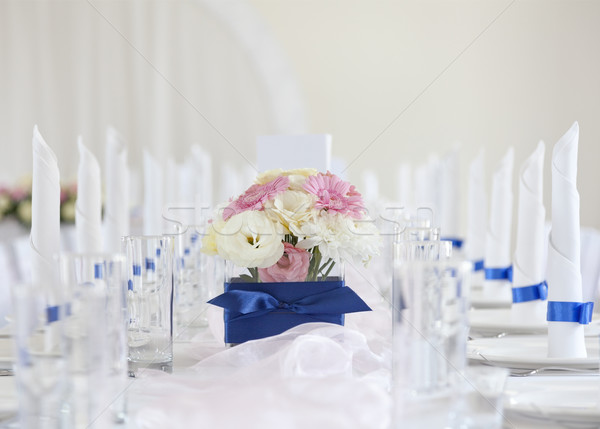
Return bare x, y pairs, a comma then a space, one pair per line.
257, 303
565, 311
478, 265
530, 293
499, 273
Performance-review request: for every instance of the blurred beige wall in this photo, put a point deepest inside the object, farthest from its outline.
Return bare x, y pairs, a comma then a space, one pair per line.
392, 81
397, 81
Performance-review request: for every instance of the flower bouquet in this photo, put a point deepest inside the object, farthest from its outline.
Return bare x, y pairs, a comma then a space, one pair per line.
284, 241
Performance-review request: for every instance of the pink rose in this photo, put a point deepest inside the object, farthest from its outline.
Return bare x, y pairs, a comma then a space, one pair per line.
291, 267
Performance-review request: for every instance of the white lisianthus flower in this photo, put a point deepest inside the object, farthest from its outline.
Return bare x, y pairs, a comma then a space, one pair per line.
291, 208
249, 239
297, 176
339, 237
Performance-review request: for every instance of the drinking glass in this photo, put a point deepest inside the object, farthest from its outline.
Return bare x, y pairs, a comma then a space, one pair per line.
40, 366
429, 340
150, 295
191, 267
483, 390
95, 337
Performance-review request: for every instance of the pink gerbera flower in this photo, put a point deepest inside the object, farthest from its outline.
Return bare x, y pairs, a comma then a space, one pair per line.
335, 195
256, 195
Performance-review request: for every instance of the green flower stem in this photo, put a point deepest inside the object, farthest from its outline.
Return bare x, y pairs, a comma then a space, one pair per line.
315, 262
331, 264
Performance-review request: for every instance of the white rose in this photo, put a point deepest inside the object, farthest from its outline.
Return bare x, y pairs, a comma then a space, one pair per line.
250, 239
290, 208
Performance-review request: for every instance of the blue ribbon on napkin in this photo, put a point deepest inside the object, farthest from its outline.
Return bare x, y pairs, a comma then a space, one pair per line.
257, 303
456, 242
566, 311
478, 265
499, 273
530, 293
53, 312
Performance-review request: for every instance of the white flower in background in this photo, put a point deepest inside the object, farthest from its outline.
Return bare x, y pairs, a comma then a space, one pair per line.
249, 239
339, 237
291, 208
297, 176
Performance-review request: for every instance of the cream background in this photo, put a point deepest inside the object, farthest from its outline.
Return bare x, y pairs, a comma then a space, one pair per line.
392, 81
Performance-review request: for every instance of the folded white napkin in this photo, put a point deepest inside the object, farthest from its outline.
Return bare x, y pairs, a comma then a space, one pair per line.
404, 186
45, 213
153, 195
427, 187
88, 208
449, 196
204, 182
116, 207
171, 182
370, 186
565, 339
529, 260
497, 242
476, 216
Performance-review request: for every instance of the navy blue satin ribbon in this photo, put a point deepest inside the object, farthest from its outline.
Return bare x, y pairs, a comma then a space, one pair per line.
565, 311
499, 273
257, 303
478, 265
530, 293
456, 242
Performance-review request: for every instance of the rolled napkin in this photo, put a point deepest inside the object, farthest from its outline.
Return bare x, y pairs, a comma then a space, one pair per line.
497, 269
153, 195
476, 218
203, 185
116, 208
449, 199
529, 285
88, 207
404, 187
45, 216
566, 312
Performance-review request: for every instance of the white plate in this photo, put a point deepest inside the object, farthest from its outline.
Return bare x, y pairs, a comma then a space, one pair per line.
8, 398
556, 399
495, 321
479, 300
6, 352
528, 352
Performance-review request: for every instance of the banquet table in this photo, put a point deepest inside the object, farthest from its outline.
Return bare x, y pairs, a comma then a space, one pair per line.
316, 375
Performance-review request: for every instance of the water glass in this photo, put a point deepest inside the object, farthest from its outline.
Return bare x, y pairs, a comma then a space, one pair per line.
95, 337
150, 295
191, 268
483, 396
429, 340
40, 367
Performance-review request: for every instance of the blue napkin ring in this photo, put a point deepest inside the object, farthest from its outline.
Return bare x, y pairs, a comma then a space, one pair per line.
456, 242
566, 311
499, 273
530, 293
